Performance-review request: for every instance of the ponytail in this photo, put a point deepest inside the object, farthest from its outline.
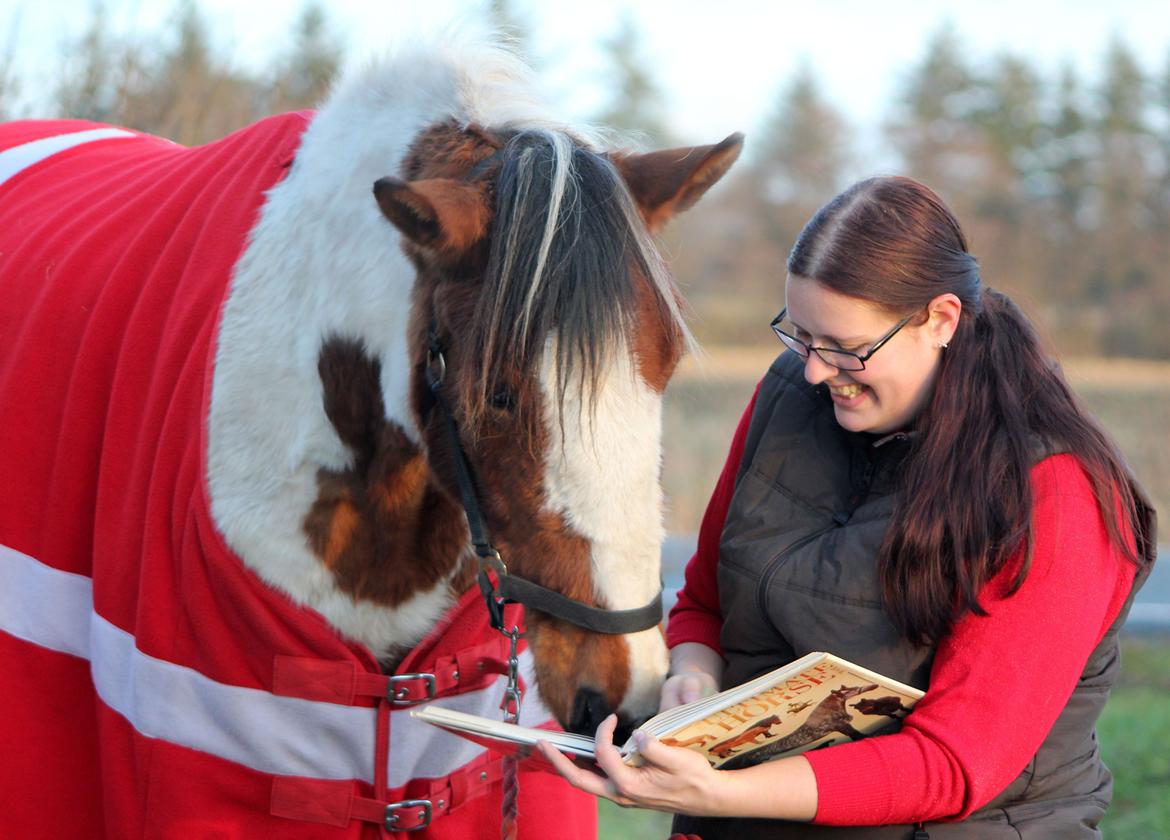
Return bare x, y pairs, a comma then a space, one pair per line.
965, 507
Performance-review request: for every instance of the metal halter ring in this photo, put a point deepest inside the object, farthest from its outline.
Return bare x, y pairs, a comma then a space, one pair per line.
436, 368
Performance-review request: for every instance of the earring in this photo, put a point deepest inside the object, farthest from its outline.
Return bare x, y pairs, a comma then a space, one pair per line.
942, 345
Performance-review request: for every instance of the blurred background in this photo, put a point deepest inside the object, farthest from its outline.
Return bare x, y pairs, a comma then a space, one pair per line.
1045, 126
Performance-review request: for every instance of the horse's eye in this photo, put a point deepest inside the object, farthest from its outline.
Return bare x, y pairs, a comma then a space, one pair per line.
502, 399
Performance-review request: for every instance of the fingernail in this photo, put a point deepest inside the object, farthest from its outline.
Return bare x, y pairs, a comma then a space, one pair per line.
639, 738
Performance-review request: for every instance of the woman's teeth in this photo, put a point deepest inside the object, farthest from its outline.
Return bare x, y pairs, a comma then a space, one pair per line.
847, 391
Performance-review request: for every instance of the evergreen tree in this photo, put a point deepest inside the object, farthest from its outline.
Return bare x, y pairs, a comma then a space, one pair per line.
1065, 146
932, 123
635, 109
731, 257
1160, 205
800, 161
89, 87
1008, 114
1002, 130
305, 74
9, 82
1123, 268
189, 94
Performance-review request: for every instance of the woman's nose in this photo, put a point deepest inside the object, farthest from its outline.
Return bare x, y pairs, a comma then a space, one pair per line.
817, 370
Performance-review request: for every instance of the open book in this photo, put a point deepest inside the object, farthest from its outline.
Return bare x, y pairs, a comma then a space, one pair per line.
814, 702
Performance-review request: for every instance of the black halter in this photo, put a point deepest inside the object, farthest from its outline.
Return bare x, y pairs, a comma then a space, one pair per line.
511, 589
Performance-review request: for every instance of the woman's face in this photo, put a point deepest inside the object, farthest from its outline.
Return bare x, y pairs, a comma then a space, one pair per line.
898, 378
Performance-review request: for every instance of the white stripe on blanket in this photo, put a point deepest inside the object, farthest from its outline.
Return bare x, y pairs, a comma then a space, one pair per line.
19, 158
279, 735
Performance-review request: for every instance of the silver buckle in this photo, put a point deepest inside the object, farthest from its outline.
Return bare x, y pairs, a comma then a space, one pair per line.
401, 696
424, 815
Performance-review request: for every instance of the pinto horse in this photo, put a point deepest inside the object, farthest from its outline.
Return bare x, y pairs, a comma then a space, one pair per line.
255, 394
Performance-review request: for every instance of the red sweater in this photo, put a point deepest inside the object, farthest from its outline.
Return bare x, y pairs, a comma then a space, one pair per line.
957, 751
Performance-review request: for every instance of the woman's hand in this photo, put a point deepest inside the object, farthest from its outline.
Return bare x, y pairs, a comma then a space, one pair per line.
695, 671
672, 779
686, 688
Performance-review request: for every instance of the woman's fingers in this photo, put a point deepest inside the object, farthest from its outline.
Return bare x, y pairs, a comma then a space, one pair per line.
578, 777
581, 778
671, 779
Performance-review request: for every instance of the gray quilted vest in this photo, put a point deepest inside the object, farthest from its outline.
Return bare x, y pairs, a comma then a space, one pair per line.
797, 573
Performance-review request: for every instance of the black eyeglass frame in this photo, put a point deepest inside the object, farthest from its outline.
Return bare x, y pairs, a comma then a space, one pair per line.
803, 349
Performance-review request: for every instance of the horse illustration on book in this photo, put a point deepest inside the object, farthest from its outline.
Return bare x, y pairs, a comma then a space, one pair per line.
890, 706
260, 399
698, 740
759, 729
829, 717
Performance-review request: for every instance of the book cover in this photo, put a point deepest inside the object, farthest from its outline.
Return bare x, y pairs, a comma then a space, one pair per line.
810, 703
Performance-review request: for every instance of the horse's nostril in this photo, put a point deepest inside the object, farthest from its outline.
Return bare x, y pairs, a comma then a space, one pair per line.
590, 708
625, 728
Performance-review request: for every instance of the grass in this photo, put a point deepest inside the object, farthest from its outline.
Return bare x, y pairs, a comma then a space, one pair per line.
1134, 732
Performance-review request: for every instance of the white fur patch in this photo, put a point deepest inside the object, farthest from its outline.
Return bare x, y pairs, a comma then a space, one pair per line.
602, 477
323, 261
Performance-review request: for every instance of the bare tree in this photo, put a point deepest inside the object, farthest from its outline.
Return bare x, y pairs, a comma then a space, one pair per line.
9, 82
305, 74
635, 108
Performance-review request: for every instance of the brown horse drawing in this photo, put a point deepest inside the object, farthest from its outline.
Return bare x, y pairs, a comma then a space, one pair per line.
757, 730
890, 706
828, 717
699, 739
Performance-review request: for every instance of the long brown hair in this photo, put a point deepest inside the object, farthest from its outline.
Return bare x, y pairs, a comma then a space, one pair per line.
965, 504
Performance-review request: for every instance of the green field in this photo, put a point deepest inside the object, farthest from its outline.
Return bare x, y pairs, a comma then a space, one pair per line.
1135, 739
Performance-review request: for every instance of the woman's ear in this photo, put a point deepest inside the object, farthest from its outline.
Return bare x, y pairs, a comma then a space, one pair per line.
943, 318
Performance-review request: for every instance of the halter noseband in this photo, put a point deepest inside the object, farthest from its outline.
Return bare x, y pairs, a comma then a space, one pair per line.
509, 588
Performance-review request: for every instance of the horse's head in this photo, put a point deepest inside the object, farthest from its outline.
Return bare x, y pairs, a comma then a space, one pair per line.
558, 328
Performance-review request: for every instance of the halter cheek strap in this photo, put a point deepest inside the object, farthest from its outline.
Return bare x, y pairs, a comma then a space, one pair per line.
509, 588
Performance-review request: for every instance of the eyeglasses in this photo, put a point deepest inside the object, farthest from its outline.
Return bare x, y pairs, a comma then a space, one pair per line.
840, 359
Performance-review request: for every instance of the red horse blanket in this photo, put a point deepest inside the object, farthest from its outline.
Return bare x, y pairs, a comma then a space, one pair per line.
154, 686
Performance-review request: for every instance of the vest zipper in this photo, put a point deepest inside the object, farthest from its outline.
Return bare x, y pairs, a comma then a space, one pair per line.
774, 566
839, 519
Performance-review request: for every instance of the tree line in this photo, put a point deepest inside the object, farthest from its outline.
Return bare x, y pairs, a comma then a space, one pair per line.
1062, 182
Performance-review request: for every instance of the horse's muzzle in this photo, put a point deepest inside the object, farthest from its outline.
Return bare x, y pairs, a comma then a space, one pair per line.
590, 708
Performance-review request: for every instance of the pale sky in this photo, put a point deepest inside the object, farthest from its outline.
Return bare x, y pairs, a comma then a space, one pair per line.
721, 64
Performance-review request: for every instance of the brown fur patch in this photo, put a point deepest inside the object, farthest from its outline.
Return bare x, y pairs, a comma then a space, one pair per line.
568, 658
341, 530
445, 150
657, 341
382, 527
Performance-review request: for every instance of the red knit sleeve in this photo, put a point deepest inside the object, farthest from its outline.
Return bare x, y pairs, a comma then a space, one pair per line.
999, 681
695, 617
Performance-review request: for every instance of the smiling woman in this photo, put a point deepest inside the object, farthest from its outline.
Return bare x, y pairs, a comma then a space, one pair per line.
913, 487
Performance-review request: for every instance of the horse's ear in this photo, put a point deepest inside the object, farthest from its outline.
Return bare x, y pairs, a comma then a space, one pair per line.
438, 214
667, 182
